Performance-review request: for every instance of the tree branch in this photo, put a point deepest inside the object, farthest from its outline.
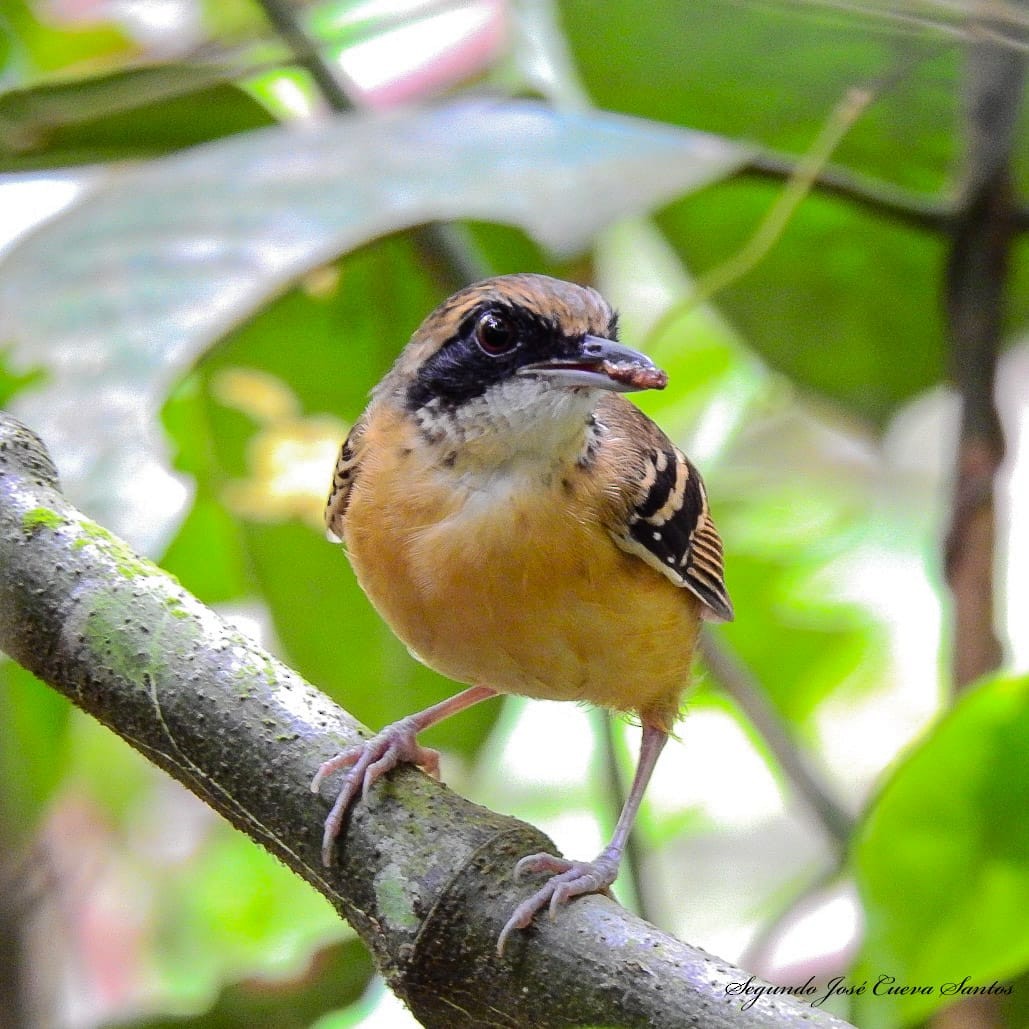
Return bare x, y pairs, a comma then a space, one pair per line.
881, 198
976, 284
126, 643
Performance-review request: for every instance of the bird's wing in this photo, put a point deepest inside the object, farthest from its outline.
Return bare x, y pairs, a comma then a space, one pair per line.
663, 515
343, 476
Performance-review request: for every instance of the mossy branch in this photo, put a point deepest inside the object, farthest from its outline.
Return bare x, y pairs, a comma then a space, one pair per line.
125, 642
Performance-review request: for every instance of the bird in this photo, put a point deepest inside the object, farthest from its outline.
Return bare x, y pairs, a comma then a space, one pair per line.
525, 529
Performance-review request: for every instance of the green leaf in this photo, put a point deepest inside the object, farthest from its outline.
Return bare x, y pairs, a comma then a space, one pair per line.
772, 74
338, 976
829, 644
44, 46
942, 859
208, 554
507, 250
831, 303
144, 274
233, 21
122, 115
12, 382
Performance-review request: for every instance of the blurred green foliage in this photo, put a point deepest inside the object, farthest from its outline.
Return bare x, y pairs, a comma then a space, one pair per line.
943, 857
771, 73
841, 322
33, 758
124, 115
873, 346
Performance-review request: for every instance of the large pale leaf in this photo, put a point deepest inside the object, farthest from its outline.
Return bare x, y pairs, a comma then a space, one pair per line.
146, 272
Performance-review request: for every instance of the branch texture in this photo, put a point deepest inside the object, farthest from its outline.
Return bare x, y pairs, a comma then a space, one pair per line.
423, 875
977, 282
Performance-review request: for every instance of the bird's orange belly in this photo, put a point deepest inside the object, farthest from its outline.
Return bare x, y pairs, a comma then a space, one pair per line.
528, 599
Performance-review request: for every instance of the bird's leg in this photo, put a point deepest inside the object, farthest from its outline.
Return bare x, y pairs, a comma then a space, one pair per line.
574, 878
395, 744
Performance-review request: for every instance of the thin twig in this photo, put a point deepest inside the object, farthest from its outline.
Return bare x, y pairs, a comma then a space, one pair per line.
880, 198
328, 78
896, 18
737, 681
798, 185
759, 949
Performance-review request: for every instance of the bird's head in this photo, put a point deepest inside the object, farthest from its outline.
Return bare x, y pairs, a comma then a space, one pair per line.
516, 363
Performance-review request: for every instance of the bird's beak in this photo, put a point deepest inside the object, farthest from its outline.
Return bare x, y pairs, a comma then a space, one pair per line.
601, 364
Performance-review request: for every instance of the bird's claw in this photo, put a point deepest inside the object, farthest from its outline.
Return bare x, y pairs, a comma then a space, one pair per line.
368, 762
570, 879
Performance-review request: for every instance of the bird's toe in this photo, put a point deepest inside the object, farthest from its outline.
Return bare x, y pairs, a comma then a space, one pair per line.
367, 763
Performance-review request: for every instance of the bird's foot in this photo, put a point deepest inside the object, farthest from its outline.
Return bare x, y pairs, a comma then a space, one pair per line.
368, 762
570, 879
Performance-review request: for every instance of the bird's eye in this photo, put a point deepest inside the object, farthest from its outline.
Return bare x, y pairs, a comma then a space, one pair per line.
495, 334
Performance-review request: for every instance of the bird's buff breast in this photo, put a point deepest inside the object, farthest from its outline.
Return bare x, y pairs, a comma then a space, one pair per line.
513, 583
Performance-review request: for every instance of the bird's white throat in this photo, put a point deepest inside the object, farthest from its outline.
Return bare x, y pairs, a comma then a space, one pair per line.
519, 421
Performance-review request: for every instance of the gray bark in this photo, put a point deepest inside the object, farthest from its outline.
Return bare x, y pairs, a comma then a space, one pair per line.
423, 874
